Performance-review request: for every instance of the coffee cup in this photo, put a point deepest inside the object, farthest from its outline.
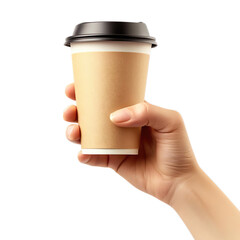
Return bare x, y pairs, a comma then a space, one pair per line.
110, 64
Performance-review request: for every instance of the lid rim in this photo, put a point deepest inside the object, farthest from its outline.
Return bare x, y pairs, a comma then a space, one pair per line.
110, 35
150, 40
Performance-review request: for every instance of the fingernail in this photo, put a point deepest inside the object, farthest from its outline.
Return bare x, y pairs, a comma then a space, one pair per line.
122, 115
69, 132
85, 158
65, 109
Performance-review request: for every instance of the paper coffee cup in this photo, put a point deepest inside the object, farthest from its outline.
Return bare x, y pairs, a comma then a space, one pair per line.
110, 73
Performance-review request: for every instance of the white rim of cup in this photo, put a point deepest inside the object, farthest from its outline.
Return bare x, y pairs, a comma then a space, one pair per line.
111, 46
110, 151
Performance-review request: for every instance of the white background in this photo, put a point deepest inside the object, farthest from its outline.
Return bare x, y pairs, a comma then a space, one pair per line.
45, 193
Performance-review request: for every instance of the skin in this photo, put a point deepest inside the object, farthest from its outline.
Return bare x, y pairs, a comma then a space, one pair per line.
165, 168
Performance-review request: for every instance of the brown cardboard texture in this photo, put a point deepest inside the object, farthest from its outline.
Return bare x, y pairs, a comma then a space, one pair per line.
104, 83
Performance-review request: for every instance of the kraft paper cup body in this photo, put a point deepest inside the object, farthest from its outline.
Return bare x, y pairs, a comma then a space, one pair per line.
108, 75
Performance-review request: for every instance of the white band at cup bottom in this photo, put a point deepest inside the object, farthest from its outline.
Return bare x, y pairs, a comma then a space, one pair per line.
110, 151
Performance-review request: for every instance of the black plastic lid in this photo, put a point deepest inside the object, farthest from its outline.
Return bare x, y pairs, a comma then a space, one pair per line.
111, 31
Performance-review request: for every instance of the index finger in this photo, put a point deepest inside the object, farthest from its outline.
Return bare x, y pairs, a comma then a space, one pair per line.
70, 91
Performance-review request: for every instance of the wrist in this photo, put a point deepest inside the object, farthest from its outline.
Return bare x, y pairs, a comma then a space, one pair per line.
183, 188
205, 210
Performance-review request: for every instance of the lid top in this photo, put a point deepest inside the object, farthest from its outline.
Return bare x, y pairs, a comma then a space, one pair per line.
108, 30
112, 28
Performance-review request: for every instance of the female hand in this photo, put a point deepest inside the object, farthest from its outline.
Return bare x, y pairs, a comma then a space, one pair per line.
165, 156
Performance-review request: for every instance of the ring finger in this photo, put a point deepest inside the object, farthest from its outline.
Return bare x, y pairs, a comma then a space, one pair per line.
70, 114
73, 133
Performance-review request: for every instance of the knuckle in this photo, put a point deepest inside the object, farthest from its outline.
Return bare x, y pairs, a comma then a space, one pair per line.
178, 120
141, 112
144, 107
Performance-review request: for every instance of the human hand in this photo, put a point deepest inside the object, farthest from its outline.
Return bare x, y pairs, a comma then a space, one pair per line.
165, 156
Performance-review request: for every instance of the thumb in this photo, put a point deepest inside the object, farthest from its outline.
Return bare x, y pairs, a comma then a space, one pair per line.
146, 114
